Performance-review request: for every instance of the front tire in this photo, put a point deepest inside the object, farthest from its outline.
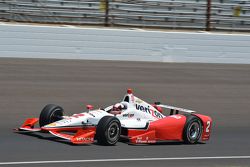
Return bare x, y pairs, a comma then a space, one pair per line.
108, 130
50, 113
192, 130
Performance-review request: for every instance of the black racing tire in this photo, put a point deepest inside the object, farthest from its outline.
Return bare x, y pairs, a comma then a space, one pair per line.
50, 113
108, 131
192, 130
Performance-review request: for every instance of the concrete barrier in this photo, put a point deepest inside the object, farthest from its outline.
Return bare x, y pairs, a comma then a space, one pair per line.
33, 41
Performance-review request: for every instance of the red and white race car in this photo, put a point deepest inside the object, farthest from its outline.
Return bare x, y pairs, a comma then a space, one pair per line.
132, 118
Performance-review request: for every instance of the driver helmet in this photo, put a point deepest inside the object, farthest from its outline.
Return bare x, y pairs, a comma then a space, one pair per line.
118, 107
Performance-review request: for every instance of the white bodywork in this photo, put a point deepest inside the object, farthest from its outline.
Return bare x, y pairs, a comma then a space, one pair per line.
136, 115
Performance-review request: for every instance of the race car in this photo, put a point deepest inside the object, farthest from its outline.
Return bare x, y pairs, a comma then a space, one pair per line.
132, 118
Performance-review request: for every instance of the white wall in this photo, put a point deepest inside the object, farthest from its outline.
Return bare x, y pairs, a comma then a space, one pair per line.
115, 44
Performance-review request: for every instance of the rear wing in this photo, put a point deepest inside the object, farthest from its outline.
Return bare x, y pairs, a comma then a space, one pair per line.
176, 109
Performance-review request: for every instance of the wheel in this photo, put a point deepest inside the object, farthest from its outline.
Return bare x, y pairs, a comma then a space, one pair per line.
192, 130
49, 114
108, 130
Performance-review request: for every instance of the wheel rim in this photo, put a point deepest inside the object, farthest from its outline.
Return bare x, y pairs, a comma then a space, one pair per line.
113, 132
194, 131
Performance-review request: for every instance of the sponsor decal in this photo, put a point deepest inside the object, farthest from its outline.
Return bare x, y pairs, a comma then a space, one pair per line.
64, 121
142, 108
148, 110
146, 140
84, 139
52, 125
68, 119
128, 115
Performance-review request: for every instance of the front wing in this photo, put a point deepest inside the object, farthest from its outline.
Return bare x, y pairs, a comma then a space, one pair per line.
76, 135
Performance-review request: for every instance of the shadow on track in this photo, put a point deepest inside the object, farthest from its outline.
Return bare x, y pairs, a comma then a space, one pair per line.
46, 136
158, 143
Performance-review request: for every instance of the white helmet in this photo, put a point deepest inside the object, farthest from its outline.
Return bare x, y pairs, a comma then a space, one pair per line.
118, 107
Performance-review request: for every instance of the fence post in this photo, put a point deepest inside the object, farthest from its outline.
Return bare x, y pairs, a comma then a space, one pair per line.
208, 20
107, 13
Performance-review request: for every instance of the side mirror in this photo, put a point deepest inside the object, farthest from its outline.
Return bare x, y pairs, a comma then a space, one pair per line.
89, 107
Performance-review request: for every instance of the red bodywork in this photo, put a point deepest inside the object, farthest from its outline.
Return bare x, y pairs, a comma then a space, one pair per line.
168, 128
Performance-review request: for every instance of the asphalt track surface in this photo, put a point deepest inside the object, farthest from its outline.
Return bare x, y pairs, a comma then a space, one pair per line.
221, 91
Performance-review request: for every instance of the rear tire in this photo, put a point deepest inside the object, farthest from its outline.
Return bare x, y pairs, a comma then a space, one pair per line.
192, 130
50, 113
108, 131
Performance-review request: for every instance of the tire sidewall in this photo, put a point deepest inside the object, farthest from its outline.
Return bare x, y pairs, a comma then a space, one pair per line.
116, 123
46, 115
102, 130
191, 121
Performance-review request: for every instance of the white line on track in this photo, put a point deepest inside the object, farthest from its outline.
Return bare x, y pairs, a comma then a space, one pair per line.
120, 160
